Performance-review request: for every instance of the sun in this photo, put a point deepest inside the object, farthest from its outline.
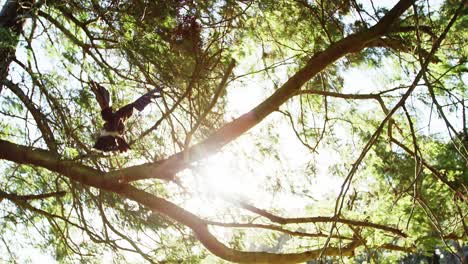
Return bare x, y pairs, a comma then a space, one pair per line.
217, 180
223, 174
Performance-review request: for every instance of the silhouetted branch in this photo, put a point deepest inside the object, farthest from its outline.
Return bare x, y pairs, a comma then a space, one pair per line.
232, 130
12, 196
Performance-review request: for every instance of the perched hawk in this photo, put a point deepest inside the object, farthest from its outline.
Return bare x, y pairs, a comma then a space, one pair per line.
111, 137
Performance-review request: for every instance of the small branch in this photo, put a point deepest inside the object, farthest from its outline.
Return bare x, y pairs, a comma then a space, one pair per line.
298, 136
12, 196
275, 228
404, 29
39, 117
347, 182
340, 95
234, 129
397, 248
435, 172
399, 45
317, 219
221, 87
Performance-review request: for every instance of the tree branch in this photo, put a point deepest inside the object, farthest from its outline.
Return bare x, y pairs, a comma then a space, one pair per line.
398, 44
49, 160
397, 248
91, 177
317, 219
167, 169
203, 234
435, 172
275, 228
39, 117
12, 196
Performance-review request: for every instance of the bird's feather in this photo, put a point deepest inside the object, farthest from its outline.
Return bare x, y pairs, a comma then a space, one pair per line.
124, 112
145, 99
102, 95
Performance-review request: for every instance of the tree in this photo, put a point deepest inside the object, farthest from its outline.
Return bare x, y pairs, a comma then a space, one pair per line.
402, 179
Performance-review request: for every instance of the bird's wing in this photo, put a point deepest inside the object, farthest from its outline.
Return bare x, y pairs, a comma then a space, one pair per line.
102, 95
140, 103
145, 99
124, 112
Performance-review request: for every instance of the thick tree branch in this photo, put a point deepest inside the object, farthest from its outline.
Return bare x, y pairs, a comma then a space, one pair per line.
353, 43
91, 177
49, 160
203, 234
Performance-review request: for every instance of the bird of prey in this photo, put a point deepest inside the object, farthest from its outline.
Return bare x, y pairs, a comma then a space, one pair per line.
111, 137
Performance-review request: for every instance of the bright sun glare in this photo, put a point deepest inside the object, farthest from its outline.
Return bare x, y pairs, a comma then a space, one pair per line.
221, 175
240, 171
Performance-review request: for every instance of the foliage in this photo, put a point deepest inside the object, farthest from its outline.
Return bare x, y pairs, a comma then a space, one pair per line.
288, 131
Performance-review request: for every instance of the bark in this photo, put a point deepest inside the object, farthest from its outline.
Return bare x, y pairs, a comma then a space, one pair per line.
47, 159
167, 169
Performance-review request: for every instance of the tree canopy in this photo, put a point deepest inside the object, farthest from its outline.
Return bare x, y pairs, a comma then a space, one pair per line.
287, 131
